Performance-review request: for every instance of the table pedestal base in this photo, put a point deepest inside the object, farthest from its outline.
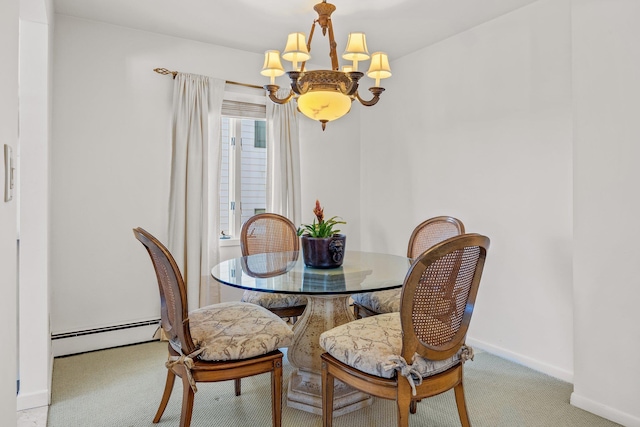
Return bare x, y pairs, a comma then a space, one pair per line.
323, 312
305, 393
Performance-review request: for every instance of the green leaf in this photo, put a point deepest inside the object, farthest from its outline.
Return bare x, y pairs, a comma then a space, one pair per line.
321, 229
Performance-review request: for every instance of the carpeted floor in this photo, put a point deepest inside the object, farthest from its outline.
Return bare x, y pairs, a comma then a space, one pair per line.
122, 388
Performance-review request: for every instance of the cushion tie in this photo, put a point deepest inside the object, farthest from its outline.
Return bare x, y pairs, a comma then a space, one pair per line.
187, 362
410, 372
466, 353
418, 364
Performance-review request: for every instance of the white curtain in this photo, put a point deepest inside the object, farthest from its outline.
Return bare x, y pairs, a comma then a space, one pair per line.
195, 165
283, 159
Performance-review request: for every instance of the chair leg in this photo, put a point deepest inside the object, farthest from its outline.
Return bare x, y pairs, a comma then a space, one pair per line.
168, 388
237, 386
276, 394
403, 401
356, 311
327, 396
187, 402
413, 406
462, 405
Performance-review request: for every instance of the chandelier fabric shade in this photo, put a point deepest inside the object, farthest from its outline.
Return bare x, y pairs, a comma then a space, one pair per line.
272, 66
325, 95
379, 67
356, 49
296, 50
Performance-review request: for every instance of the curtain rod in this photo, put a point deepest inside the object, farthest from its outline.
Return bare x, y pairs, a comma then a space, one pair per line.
166, 72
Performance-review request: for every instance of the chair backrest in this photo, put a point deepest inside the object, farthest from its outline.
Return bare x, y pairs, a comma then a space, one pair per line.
268, 232
439, 294
174, 311
432, 231
269, 265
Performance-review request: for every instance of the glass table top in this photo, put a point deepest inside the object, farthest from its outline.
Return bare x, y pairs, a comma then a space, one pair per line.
285, 272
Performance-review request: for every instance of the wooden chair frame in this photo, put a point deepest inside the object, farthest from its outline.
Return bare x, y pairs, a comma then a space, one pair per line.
246, 249
175, 323
398, 388
361, 311
419, 230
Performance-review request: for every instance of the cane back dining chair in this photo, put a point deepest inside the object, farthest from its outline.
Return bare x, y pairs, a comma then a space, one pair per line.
265, 233
219, 342
425, 235
418, 352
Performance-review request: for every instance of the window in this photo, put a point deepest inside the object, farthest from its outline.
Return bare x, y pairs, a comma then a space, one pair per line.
260, 134
243, 172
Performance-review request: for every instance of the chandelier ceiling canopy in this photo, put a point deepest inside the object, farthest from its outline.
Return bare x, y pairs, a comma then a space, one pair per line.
325, 95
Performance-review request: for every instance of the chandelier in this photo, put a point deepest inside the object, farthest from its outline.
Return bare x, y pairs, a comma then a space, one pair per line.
325, 95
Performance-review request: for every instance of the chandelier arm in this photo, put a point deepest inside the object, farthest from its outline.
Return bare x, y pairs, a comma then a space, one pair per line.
313, 27
273, 89
373, 101
332, 47
354, 77
295, 81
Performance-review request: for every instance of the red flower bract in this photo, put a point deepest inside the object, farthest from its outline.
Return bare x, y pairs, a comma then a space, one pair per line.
320, 228
319, 212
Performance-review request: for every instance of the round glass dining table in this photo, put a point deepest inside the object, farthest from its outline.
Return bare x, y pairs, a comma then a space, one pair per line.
327, 292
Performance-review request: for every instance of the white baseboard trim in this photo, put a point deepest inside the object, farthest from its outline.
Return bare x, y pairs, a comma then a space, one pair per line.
523, 360
604, 411
102, 340
32, 400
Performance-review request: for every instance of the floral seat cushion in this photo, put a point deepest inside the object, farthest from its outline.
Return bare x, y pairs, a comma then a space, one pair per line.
271, 300
373, 345
381, 301
237, 330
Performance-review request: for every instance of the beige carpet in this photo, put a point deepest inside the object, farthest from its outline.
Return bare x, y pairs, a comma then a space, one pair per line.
122, 388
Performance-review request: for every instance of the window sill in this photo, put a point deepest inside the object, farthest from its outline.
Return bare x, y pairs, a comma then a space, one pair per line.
228, 242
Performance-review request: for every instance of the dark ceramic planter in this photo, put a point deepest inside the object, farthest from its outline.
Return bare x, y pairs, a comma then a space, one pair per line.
319, 252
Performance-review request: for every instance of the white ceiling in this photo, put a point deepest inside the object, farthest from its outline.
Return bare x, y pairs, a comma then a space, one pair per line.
397, 27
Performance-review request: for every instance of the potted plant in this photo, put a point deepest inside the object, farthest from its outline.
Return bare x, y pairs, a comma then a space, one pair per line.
322, 246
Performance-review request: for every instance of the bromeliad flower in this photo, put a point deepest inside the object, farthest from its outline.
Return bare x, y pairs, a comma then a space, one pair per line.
320, 227
319, 212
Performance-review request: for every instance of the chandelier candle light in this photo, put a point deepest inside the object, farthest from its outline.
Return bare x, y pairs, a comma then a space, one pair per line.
325, 95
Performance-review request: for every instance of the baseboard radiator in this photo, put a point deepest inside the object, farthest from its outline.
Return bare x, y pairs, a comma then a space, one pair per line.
82, 341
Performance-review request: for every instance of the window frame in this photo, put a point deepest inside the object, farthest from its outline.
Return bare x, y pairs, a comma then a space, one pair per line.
235, 159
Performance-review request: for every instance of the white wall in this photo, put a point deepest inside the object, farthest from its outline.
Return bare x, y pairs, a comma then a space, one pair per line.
330, 169
111, 164
524, 127
478, 126
35, 343
111, 156
8, 227
606, 90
